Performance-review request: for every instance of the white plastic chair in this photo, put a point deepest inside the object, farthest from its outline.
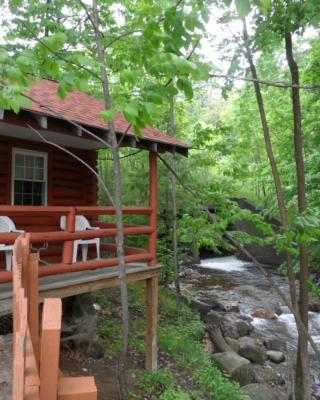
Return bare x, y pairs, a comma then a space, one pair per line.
82, 224
7, 225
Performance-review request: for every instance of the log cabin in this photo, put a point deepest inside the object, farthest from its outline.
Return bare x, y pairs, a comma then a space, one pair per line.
40, 183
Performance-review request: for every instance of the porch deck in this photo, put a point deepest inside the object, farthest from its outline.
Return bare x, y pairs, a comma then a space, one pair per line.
73, 283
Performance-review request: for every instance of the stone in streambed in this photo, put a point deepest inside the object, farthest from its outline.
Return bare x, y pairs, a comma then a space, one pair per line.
258, 391
233, 343
251, 350
275, 344
237, 367
244, 328
267, 374
275, 356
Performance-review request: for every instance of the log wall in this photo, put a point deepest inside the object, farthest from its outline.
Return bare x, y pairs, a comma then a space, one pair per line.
69, 184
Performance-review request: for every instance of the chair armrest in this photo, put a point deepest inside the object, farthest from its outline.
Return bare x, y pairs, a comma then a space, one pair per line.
18, 231
93, 228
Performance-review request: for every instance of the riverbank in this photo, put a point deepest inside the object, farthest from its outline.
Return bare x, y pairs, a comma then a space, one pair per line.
236, 291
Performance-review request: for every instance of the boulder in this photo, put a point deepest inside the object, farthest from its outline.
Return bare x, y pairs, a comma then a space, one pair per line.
268, 374
275, 344
264, 314
214, 318
258, 391
251, 350
244, 328
237, 367
233, 343
200, 306
275, 356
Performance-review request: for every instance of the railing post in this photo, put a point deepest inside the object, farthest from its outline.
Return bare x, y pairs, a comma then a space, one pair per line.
67, 254
153, 203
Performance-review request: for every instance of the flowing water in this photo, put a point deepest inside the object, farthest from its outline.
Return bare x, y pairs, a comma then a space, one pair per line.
230, 280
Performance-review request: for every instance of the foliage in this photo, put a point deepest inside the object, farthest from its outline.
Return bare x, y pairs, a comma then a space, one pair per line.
158, 381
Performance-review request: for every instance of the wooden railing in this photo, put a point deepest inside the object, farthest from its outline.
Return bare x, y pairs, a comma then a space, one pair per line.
36, 374
107, 230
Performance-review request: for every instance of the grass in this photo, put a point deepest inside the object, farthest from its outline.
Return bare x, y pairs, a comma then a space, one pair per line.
190, 374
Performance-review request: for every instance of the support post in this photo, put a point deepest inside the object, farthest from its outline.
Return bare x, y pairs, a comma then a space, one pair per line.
153, 200
152, 321
50, 349
33, 303
67, 254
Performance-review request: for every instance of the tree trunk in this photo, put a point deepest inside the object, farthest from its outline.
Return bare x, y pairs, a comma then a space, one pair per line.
174, 205
118, 206
302, 380
274, 168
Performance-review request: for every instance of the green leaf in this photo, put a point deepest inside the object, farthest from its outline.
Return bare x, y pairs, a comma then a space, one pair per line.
108, 115
185, 85
131, 111
184, 66
265, 6
243, 7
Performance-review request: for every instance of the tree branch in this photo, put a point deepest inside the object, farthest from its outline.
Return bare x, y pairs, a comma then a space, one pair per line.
77, 158
278, 84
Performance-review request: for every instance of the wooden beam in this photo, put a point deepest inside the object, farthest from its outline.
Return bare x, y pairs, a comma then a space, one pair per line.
42, 120
132, 141
33, 301
77, 388
154, 146
152, 321
50, 349
77, 130
67, 254
153, 200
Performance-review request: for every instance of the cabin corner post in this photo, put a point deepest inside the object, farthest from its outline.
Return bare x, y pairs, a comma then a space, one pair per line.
153, 203
67, 254
152, 324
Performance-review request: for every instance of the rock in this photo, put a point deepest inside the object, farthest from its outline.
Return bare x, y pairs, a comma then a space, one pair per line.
264, 314
267, 374
251, 350
243, 327
201, 307
275, 344
314, 305
95, 350
258, 391
237, 367
230, 306
214, 318
233, 343
275, 356
229, 327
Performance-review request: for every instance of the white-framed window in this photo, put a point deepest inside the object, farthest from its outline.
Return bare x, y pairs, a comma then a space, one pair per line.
29, 177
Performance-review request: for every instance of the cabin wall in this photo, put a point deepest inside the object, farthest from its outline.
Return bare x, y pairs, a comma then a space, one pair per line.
69, 184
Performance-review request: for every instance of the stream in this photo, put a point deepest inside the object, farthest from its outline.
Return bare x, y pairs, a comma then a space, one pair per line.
239, 284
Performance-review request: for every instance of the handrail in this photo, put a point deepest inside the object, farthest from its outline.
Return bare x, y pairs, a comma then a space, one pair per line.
62, 236
63, 210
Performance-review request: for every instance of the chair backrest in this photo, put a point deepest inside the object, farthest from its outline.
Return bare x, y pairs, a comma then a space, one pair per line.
81, 223
6, 224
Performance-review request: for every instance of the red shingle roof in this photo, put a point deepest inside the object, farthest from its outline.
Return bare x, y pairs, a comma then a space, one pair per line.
86, 109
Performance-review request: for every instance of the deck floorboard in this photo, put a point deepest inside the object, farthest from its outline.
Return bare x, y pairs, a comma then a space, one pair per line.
73, 283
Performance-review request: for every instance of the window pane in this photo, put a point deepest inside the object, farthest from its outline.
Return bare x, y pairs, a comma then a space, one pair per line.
19, 172
37, 200
39, 162
18, 185
29, 161
19, 160
27, 199
28, 173
38, 187
18, 199
38, 174
27, 187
